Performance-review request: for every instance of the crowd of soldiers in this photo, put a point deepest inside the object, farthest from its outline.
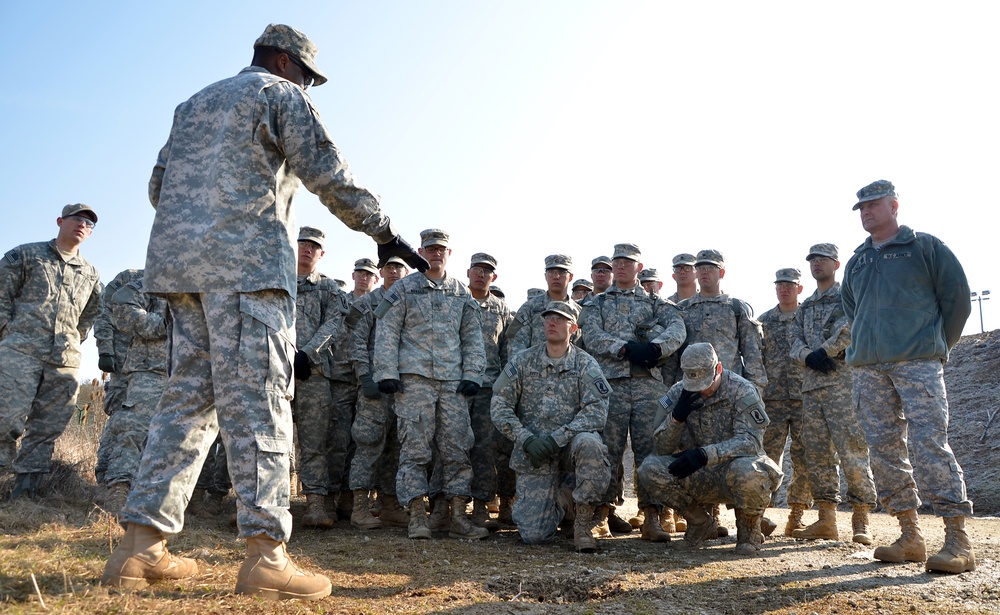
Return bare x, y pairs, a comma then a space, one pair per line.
415, 399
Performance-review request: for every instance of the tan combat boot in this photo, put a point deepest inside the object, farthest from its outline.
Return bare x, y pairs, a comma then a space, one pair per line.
480, 513
316, 515
767, 526
417, 528
860, 526
909, 547
392, 515
361, 516
956, 556
268, 572
196, 505
651, 528
601, 528
583, 526
748, 532
637, 520
701, 526
667, 521
215, 503
440, 519
142, 558
795, 518
825, 527
505, 517
680, 523
461, 526
717, 515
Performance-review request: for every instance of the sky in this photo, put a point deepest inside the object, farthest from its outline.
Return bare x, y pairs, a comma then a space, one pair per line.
527, 128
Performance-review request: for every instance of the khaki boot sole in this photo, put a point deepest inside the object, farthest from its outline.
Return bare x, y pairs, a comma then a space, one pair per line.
277, 594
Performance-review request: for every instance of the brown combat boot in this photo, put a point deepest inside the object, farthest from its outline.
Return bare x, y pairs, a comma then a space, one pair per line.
142, 558
316, 515
701, 526
583, 526
461, 526
215, 503
767, 526
825, 527
196, 505
361, 516
480, 513
651, 528
440, 519
723, 531
637, 520
616, 524
909, 547
117, 494
417, 528
795, 518
860, 526
748, 533
345, 504
956, 556
392, 515
601, 528
505, 518
667, 521
268, 572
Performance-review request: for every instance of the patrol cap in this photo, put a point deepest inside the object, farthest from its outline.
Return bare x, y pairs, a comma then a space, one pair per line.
290, 40
627, 250
365, 264
710, 257
342, 284
875, 190
433, 237
482, 258
562, 308
496, 291
558, 261
790, 274
649, 275
600, 260
534, 292
395, 260
684, 259
309, 233
582, 283
823, 249
79, 209
698, 364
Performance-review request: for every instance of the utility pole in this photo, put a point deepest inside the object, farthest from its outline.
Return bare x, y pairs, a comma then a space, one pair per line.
983, 295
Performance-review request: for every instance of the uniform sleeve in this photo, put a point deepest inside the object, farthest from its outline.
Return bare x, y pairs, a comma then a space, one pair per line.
667, 433
362, 320
797, 337
674, 330
91, 310
952, 290
11, 274
133, 318
748, 426
519, 330
473, 348
104, 332
390, 314
593, 404
599, 342
847, 300
753, 360
503, 405
156, 179
334, 313
840, 333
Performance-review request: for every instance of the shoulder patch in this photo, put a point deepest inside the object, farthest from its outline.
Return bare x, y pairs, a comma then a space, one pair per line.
12, 257
510, 371
752, 405
596, 376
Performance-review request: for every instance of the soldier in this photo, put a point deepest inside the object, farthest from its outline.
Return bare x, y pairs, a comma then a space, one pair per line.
830, 430
376, 456
783, 396
600, 273
527, 329
907, 298
631, 332
650, 280
581, 289
715, 418
237, 153
551, 401
429, 353
49, 298
496, 291
684, 276
144, 319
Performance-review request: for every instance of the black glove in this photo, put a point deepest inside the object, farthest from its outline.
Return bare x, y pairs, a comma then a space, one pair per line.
390, 386
820, 361
368, 387
642, 354
688, 462
540, 449
468, 388
397, 246
107, 363
688, 402
302, 366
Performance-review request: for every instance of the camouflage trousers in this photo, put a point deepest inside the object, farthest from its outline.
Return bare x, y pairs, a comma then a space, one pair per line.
37, 399
903, 408
433, 424
786, 422
631, 410
487, 453
538, 509
311, 409
376, 452
214, 475
114, 396
744, 482
130, 424
230, 373
830, 430
345, 398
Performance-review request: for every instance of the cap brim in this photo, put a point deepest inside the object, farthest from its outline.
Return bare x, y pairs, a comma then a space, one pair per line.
697, 385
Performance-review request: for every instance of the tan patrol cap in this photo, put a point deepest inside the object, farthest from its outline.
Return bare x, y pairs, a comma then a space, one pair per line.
79, 209
290, 40
698, 364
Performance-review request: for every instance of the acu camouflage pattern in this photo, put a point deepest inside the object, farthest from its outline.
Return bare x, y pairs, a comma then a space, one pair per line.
528, 327
566, 398
727, 325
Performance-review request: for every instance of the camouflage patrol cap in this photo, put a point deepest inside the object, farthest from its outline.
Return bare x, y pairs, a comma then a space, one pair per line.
395, 260
534, 292
315, 235
482, 258
365, 264
342, 284
790, 274
684, 259
600, 260
79, 209
433, 237
496, 291
562, 308
558, 261
698, 364
582, 283
290, 40
823, 249
875, 190
649, 275
627, 250
710, 257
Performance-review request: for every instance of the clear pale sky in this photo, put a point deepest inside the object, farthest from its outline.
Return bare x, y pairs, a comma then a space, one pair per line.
532, 128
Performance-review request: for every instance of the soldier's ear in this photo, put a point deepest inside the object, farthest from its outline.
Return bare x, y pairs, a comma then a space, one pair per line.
573, 327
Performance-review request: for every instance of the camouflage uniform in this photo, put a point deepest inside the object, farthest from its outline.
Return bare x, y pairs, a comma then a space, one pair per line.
223, 185
144, 318
726, 323
829, 423
48, 302
566, 398
430, 337
344, 397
